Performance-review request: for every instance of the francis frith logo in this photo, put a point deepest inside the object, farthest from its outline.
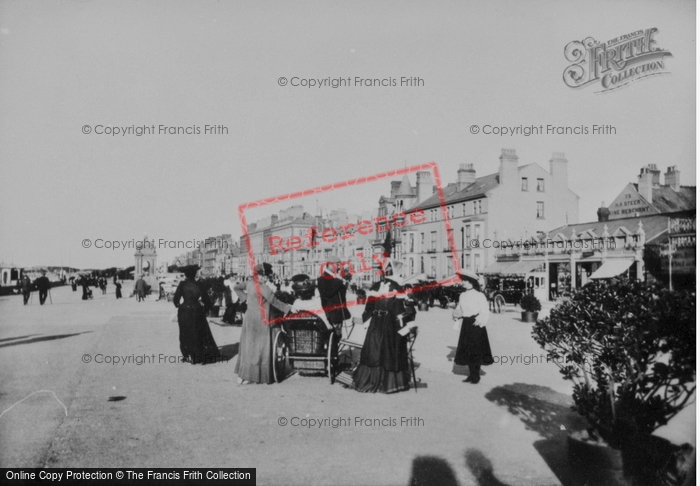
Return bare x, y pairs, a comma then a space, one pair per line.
616, 63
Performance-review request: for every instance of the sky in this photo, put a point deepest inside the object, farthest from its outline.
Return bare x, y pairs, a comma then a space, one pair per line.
68, 65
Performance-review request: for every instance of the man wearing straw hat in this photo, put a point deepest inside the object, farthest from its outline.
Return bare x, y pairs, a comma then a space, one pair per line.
473, 347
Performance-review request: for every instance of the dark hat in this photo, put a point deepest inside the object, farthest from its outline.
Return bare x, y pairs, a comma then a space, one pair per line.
301, 277
190, 271
263, 269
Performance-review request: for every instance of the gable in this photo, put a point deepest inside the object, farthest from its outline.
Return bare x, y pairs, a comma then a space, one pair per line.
630, 203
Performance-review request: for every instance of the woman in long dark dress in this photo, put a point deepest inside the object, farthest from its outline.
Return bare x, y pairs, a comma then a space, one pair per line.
384, 358
197, 344
118, 284
473, 347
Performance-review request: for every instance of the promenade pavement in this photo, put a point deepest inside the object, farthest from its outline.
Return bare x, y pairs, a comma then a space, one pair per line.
65, 405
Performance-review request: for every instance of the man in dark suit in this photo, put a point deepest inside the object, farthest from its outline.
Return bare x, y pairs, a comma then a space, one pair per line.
43, 284
332, 290
26, 286
140, 288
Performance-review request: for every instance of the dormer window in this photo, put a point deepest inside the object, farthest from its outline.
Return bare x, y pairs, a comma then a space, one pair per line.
523, 184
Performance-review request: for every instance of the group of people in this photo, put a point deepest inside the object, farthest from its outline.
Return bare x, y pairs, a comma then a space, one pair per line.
42, 284
384, 361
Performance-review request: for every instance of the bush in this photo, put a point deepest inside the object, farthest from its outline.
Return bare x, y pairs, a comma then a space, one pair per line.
530, 303
629, 348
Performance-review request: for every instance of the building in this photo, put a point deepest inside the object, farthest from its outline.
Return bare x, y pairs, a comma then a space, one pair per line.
649, 196
515, 203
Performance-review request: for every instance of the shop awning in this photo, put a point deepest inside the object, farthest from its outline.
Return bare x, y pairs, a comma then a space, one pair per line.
526, 266
498, 267
612, 268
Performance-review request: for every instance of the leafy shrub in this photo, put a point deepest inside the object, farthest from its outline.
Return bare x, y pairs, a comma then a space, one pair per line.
530, 303
629, 348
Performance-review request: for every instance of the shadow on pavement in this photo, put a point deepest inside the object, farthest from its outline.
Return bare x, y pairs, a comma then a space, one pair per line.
548, 413
17, 337
43, 338
229, 351
482, 468
431, 470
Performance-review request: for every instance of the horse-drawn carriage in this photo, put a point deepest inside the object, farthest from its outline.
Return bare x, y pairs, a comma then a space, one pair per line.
502, 290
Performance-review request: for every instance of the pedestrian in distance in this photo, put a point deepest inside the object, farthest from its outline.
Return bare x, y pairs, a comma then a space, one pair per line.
140, 288
118, 285
42, 284
26, 286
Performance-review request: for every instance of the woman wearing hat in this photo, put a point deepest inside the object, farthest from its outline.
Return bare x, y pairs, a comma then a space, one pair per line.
196, 341
473, 347
384, 358
254, 364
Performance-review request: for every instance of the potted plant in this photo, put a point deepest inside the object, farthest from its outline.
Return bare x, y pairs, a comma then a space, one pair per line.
629, 349
530, 306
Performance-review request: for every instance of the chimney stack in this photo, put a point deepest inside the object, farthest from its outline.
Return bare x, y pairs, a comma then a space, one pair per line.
424, 184
558, 167
508, 168
466, 176
672, 178
645, 183
603, 213
655, 175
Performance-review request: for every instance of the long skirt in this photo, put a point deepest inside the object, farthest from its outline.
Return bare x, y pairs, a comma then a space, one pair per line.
196, 340
383, 360
473, 347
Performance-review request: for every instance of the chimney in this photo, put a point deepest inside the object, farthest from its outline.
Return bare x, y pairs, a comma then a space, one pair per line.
394, 187
645, 183
508, 168
558, 167
424, 183
655, 175
603, 213
672, 178
466, 175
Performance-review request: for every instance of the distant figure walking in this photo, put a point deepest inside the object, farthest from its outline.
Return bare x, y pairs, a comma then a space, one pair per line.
118, 284
26, 286
43, 284
140, 289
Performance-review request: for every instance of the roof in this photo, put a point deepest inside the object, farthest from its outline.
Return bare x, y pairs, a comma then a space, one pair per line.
666, 200
405, 188
654, 226
477, 189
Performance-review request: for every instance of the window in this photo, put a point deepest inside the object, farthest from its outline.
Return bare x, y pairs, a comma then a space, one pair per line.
477, 263
474, 211
540, 209
433, 240
466, 262
464, 209
422, 265
411, 247
450, 266
452, 212
422, 243
410, 266
477, 232
433, 266
540, 185
523, 184
479, 205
